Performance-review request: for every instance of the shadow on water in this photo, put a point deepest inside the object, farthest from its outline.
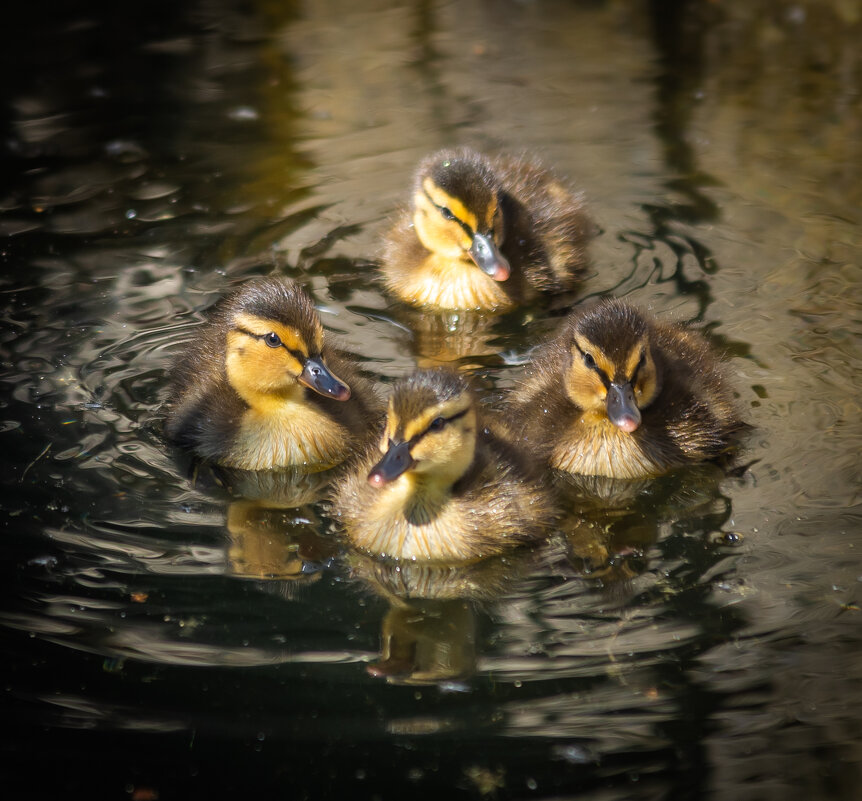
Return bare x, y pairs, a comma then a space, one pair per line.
678, 30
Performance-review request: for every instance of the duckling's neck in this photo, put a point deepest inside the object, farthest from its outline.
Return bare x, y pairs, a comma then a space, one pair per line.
449, 283
270, 403
420, 498
412, 518
284, 429
594, 446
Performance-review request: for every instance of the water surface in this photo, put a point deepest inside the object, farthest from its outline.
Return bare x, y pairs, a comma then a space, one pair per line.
161, 635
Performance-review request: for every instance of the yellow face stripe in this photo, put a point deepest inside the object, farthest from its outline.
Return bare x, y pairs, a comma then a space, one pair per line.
407, 429
419, 424
602, 361
391, 427
255, 370
634, 357
490, 213
441, 198
290, 337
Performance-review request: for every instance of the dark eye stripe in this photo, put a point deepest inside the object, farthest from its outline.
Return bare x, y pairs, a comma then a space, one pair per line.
447, 214
591, 364
298, 355
445, 421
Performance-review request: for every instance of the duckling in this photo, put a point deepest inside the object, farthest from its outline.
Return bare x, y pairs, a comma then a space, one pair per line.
621, 395
446, 484
258, 388
485, 233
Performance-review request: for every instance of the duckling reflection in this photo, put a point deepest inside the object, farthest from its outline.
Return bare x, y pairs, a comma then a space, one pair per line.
612, 524
446, 484
485, 233
278, 489
272, 524
426, 642
620, 395
259, 388
268, 543
428, 634
455, 339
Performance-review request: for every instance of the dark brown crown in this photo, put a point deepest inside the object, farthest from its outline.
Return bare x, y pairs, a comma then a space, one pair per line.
463, 174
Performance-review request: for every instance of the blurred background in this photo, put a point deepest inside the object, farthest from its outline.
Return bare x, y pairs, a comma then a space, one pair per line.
167, 636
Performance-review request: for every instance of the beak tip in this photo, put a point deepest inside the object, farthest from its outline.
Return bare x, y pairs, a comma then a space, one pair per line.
501, 273
488, 258
395, 462
628, 424
622, 408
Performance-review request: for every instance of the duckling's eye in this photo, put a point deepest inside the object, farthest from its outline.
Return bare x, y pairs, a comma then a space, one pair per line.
589, 361
437, 424
447, 214
272, 339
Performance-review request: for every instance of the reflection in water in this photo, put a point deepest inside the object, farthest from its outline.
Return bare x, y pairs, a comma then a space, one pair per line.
269, 544
679, 29
427, 641
613, 525
439, 339
429, 633
279, 489
155, 158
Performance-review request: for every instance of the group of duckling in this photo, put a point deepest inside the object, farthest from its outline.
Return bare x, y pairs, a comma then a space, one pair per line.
439, 476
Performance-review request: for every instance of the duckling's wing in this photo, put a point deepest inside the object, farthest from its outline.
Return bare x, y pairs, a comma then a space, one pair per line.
702, 413
205, 422
548, 220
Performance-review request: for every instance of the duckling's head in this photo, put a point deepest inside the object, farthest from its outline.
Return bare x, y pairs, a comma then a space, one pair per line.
430, 432
612, 372
274, 343
456, 210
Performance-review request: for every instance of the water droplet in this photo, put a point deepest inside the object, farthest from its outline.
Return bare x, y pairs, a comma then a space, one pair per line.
243, 113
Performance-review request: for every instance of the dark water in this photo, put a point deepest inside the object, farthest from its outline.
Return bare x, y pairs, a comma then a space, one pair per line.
702, 639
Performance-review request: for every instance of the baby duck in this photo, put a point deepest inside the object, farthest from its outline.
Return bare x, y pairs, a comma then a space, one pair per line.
444, 486
485, 233
258, 388
620, 395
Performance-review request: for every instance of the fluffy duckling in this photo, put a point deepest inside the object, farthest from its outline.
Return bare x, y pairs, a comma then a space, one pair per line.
485, 233
618, 394
258, 388
444, 485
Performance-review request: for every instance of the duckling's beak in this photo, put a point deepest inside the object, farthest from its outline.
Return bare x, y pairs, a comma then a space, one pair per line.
622, 409
316, 376
488, 258
396, 461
